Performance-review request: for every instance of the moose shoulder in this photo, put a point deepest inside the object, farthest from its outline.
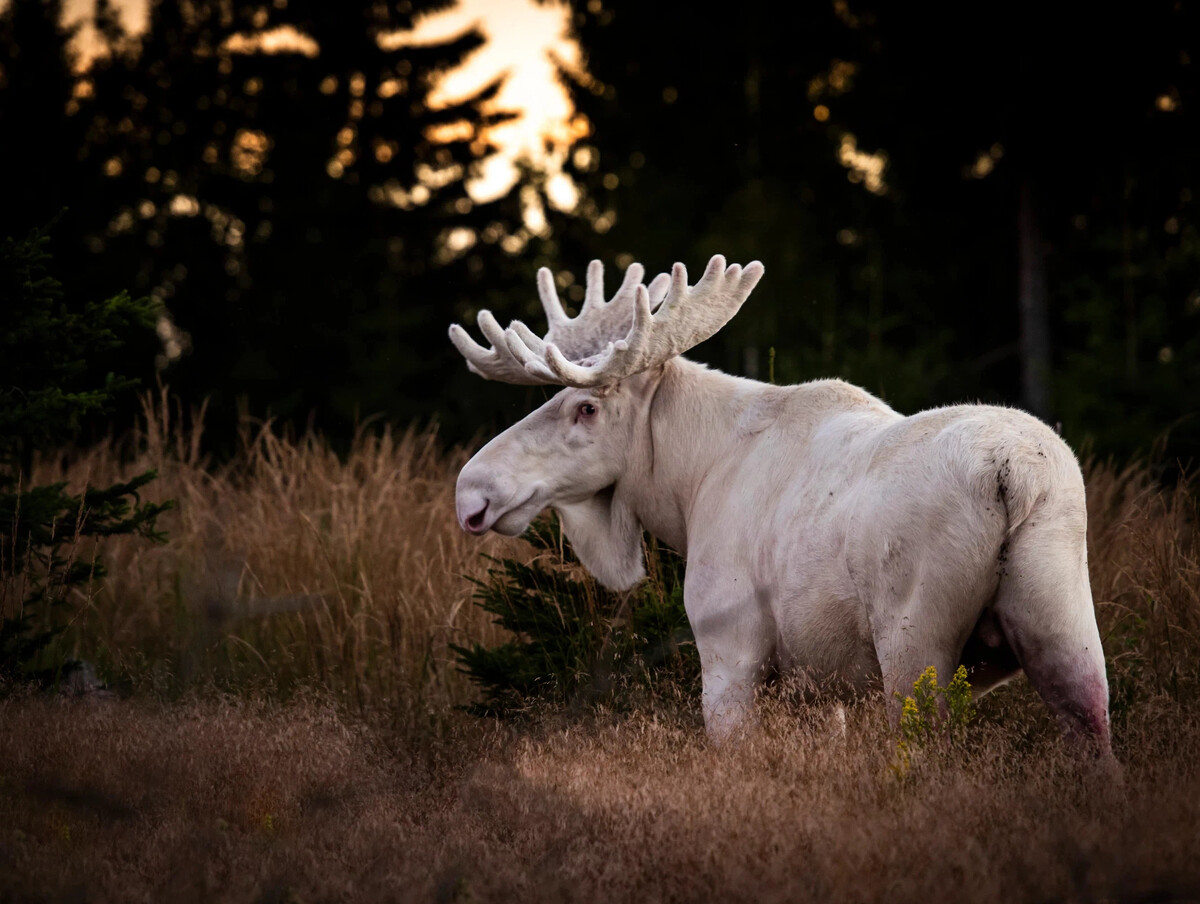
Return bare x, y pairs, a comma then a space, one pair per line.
822, 530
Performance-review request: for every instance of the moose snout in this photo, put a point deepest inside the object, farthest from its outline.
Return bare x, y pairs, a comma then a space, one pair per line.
472, 506
474, 523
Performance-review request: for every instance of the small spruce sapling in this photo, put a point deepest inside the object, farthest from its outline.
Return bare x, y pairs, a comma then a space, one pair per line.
48, 389
574, 641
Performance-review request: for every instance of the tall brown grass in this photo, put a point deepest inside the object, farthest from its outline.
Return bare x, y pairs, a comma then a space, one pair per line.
1144, 562
300, 588
287, 566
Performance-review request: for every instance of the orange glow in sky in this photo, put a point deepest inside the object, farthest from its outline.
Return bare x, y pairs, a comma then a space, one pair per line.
521, 37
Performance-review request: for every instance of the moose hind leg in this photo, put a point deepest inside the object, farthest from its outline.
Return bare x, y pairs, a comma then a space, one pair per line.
1044, 606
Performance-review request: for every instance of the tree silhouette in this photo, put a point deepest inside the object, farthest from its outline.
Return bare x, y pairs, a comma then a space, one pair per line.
704, 140
904, 272
304, 219
49, 386
289, 207
1044, 151
40, 134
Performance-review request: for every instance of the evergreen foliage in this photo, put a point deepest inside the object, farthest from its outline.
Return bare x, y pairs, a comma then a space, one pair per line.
574, 641
278, 200
48, 387
48, 351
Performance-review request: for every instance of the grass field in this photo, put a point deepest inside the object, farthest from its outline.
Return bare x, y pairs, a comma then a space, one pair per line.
285, 727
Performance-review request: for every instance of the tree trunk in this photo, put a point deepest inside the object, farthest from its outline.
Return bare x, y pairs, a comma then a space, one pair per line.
1031, 302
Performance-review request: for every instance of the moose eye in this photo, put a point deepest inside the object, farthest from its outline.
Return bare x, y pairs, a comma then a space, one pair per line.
587, 410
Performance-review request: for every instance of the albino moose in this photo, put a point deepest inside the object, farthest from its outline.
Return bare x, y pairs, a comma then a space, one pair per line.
822, 530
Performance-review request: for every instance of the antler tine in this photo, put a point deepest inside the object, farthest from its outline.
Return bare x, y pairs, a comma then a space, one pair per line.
529, 350
659, 287
609, 366
630, 284
684, 318
548, 293
525, 339
498, 362
593, 295
518, 355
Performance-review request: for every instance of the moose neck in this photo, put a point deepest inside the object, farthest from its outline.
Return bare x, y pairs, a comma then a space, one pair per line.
688, 419
691, 419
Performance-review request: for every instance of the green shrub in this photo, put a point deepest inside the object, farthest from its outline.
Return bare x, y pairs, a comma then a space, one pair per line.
575, 642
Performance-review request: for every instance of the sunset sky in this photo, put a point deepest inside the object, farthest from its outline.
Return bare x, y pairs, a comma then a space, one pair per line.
522, 36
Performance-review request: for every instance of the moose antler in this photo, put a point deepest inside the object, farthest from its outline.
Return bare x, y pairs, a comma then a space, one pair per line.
640, 327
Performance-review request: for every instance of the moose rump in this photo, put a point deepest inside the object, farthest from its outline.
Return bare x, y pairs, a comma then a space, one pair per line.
969, 542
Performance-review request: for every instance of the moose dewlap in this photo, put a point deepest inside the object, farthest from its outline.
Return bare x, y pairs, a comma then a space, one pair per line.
822, 530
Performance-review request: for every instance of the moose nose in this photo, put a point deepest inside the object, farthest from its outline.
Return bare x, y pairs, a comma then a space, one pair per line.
473, 505
474, 524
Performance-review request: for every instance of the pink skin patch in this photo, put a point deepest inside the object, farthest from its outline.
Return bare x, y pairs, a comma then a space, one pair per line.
1079, 698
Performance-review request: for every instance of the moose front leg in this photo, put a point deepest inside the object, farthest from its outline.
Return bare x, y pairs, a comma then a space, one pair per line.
735, 640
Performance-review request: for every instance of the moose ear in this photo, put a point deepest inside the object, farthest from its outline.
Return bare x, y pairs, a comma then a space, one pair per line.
607, 538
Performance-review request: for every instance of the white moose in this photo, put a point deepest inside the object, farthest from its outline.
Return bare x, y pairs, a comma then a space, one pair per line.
822, 530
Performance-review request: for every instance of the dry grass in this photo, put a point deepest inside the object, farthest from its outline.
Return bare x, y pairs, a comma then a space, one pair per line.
302, 595
1144, 560
289, 566
235, 801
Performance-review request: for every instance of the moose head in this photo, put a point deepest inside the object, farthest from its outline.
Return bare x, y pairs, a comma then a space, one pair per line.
579, 453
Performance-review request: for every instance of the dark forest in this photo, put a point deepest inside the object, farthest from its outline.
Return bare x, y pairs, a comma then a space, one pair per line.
952, 204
